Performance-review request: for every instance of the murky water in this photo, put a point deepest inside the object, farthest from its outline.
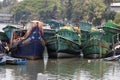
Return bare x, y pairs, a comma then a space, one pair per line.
63, 69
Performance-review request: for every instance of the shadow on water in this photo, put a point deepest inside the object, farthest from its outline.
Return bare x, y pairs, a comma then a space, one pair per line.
62, 69
76, 69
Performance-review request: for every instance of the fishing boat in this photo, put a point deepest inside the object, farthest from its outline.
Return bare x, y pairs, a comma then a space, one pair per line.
85, 28
95, 47
112, 36
15, 61
110, 29
115, 46
65, 43
112, 58
55, 24
29, 44
48, 31
9, 29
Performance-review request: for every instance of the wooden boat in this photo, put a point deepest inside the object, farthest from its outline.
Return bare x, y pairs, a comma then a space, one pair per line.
8, 30
55, 24
109, 33
48, 31
112, 36
29, 45
112, 58
95, 47
66, 43
85, 28
115, 47
15, 61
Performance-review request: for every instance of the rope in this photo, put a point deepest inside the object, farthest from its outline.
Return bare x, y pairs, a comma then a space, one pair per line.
69, 42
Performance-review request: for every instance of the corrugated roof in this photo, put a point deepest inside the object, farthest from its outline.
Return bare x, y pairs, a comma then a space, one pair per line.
2, 25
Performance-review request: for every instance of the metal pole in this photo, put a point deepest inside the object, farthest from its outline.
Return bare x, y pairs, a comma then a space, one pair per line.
100, 48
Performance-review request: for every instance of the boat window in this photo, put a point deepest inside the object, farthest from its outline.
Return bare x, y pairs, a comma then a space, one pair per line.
18, 34
22, 33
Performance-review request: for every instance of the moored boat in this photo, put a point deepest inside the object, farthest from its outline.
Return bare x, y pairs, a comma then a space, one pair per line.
8, 30
66, 43
112, 36
85, 28
95, 47
110, 29
112, 58
55, 24
15, 61
28, 45
48, 31
115, 47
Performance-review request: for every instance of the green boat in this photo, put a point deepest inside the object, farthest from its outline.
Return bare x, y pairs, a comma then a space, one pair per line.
8, 30
112, 36
48, 32
85, 28
95, 47
55, 24
65, 43
111, 29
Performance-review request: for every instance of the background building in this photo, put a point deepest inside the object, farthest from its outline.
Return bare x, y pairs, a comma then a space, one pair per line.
115, 7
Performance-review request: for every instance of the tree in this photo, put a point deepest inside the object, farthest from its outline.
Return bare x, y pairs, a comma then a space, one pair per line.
69, 10
108, 2
1, 5
9, 2
109, 15
96, 9
80, 10
117, 18
36, 8
74, 10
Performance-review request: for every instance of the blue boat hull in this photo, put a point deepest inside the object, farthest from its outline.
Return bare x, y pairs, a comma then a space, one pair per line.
31, 50
16, 62
2, 59
31, 47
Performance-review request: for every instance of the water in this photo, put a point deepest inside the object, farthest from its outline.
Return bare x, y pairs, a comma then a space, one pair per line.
63, 69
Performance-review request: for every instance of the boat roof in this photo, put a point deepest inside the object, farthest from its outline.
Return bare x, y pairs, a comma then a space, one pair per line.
7, 25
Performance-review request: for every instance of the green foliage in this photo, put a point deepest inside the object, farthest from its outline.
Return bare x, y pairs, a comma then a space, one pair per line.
35, 7
109, 15
9, 2
1, 5
88, 10
117, 18
108, 2
96, 8
80, 9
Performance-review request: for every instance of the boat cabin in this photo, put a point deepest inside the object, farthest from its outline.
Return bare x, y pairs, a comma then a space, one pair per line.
17, 36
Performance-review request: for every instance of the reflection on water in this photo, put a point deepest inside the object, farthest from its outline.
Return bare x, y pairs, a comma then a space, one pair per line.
63, 69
